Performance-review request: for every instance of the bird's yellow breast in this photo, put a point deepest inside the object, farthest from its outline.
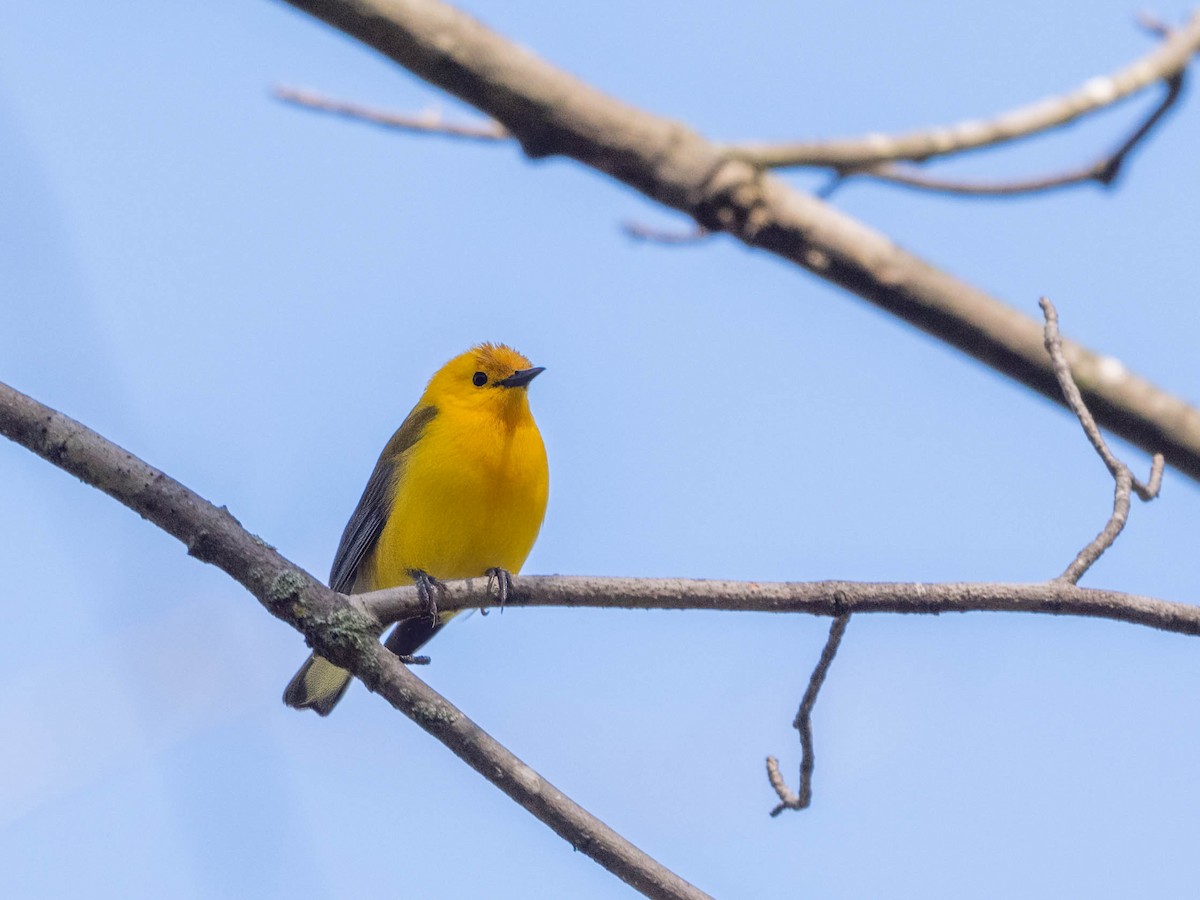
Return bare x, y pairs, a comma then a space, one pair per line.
469, 496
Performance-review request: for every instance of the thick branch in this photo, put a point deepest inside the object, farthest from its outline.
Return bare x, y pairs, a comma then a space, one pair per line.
551, 112
1165, 61
338, 627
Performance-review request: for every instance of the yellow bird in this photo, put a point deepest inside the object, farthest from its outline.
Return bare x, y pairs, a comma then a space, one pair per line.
458, 492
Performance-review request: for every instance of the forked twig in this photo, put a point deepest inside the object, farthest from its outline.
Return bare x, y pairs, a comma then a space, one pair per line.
1104, 171
803, 724
1122, 476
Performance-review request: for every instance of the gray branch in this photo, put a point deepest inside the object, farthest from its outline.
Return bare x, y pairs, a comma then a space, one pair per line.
814, 598
1104, 171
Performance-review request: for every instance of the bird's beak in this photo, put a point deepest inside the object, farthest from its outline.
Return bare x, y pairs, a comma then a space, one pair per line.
521, 377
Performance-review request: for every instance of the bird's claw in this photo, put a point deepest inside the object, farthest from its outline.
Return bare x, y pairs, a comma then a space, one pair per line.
428, 589
504, 584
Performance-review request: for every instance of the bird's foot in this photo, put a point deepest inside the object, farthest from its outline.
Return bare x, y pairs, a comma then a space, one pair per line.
429, 589
413, 660
504, 584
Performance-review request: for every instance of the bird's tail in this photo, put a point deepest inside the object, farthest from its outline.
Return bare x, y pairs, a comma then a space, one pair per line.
319, 684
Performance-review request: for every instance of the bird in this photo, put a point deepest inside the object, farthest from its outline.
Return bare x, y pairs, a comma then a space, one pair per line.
459, 491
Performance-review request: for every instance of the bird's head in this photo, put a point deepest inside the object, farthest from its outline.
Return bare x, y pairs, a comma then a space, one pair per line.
488, 377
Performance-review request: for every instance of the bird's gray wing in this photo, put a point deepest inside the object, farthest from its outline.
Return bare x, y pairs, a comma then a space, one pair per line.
366, 523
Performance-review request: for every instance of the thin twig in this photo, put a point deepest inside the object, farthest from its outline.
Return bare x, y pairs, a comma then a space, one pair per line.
1170, 57
422, 123
1103, 171
1123, 478
639, 232
1062, 371
803, 724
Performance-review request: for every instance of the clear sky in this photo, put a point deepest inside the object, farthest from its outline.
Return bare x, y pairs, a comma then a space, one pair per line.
251, 297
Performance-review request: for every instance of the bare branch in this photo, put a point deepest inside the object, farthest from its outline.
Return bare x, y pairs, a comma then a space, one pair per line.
814, 598
338, 627
1103, 171
1122, 476
422, 123
1164, 62
803, 724
908, 176
551, 112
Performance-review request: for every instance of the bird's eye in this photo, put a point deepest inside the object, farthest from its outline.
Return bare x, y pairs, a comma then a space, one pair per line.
479, 379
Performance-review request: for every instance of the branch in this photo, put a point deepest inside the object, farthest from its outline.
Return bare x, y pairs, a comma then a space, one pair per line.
1104, 171
1122, 476
1166, 61
338, 627
814, 598
803, 724
551, 112
423, 123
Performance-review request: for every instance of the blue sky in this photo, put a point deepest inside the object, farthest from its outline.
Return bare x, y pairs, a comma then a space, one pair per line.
252, 297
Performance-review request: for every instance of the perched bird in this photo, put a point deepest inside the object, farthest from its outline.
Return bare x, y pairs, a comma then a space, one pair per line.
458, 492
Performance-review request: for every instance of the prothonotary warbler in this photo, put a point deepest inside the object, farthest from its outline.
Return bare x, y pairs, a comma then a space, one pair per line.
458, 492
